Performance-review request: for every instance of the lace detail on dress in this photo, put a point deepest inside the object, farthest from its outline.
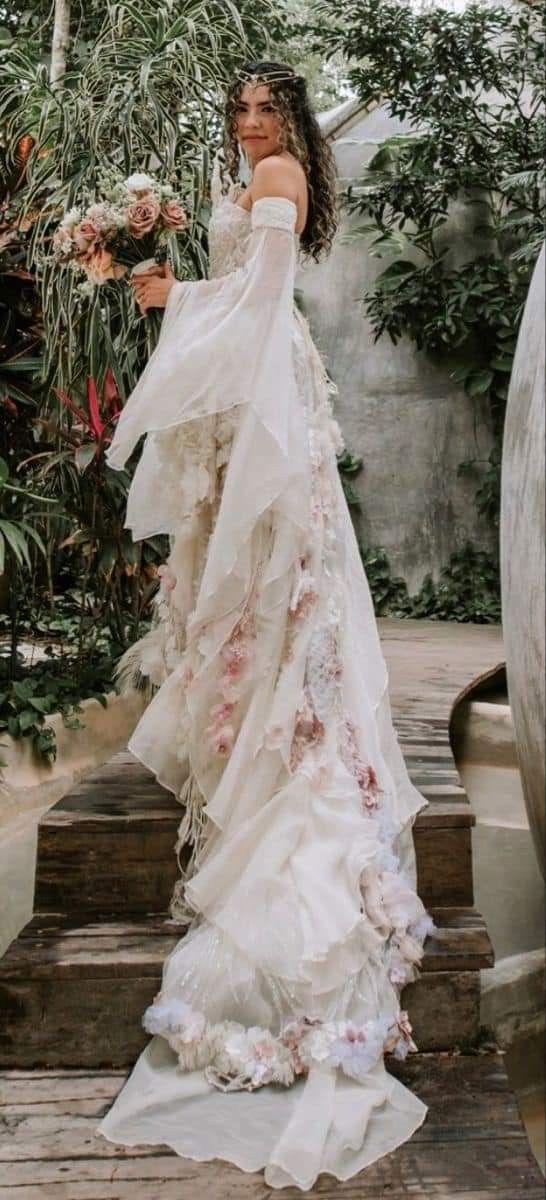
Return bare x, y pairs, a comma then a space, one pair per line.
229, 233
230, 225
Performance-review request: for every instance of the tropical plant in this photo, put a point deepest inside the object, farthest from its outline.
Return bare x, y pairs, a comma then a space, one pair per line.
114, 587
467, 589
470, 84
145, 94
47, 688
18, 515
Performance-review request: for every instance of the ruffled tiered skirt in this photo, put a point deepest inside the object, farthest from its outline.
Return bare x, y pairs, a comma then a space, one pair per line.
271, 723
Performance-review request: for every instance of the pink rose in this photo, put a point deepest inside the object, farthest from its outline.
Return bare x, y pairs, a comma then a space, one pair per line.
85, 234
173, 215
99, 265
142, 216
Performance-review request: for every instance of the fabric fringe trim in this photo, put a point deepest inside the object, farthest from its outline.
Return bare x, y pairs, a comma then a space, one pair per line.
194, 828
128, 672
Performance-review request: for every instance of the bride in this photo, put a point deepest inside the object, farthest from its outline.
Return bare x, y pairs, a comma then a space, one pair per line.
269, 715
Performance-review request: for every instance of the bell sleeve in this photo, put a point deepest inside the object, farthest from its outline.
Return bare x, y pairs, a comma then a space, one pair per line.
223, 341
226, 343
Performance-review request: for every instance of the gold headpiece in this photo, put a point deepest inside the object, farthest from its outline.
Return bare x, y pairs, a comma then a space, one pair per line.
270, 75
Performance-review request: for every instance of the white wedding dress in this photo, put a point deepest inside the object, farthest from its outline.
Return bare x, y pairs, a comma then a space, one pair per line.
270, 721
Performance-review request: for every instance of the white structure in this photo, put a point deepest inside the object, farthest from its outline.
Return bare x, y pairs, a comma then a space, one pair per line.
523, 553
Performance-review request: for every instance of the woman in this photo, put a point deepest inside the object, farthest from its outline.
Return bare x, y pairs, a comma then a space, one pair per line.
270, 718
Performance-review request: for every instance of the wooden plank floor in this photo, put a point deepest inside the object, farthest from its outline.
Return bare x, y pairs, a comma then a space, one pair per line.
472, 1145
431, 662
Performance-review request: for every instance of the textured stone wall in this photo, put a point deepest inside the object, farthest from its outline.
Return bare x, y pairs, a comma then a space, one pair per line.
402, 414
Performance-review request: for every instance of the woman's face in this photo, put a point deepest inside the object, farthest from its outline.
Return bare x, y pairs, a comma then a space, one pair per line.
257, 123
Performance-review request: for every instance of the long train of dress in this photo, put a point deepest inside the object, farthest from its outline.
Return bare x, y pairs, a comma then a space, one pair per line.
270, 721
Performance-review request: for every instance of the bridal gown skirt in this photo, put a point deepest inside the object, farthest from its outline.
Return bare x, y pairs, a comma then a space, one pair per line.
270, 720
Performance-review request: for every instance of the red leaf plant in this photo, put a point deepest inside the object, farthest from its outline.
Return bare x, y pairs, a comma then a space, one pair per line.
102, 413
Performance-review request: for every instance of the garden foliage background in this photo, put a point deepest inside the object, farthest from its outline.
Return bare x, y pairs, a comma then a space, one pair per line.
98, 91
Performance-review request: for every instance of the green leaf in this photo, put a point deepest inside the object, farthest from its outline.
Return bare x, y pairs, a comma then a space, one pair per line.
26, 719
479, 383
16, 540
22, 689
40, 704
502, 364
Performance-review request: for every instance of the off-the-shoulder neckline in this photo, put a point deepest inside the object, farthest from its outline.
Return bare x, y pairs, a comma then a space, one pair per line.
248, 211
284, 200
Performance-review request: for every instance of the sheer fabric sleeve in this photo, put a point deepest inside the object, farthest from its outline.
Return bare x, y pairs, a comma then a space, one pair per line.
224, 341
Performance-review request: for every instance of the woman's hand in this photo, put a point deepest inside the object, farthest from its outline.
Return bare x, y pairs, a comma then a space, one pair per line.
151, 287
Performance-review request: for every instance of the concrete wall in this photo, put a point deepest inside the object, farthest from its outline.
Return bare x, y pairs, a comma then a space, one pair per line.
29, 787
402, 414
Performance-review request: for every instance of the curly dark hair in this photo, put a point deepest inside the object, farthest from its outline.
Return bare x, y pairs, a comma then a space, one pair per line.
301, 135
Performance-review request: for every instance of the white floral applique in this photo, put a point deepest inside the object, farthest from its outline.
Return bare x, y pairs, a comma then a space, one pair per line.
305, 594
324, 667
239, 1058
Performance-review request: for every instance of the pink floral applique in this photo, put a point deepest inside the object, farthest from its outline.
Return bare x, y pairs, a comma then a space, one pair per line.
309, 730
398, 972
363, 772
187, 677
236, 654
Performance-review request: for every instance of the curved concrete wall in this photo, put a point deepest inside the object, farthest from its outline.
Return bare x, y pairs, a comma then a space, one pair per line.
523, 553
403, 415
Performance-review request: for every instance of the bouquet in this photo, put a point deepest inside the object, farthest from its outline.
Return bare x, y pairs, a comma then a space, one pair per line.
128, 227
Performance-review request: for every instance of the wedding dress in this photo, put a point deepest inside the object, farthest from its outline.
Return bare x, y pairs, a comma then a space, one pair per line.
270, 721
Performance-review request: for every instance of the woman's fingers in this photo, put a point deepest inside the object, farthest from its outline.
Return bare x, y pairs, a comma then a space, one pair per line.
150, 272
151, 287
152, 292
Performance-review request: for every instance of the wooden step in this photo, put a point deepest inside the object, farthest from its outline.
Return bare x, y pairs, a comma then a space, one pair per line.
72, 993
471, 1146
108, 846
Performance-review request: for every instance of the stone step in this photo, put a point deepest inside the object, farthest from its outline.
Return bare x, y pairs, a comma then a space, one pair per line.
108, 845
72, 991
